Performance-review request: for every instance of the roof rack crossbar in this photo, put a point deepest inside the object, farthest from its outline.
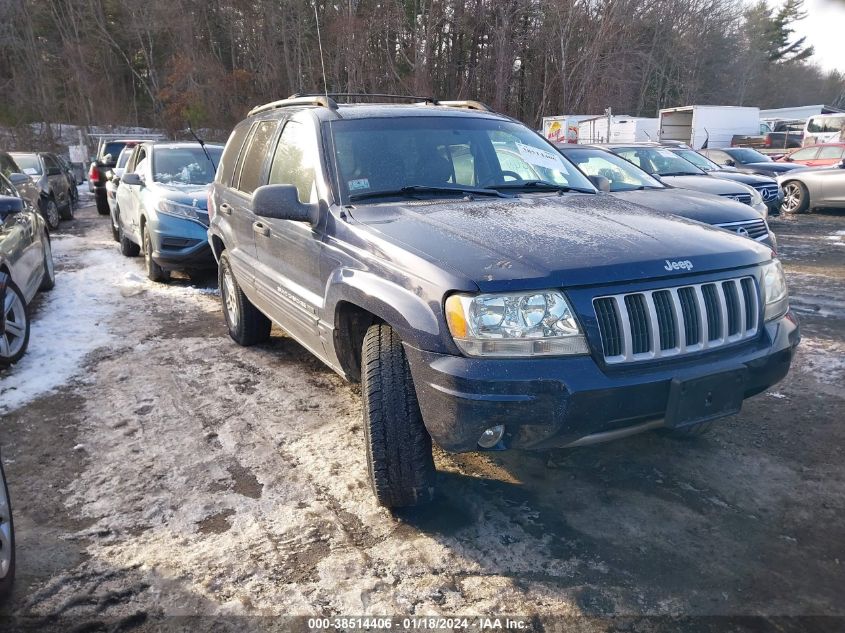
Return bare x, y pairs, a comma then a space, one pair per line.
296, 100
466, 103
364, 95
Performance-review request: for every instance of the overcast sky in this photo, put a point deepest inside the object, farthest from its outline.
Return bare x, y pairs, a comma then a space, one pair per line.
824, 28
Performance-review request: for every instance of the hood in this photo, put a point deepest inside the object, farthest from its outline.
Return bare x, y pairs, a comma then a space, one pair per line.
189, 195
701, 207
705, 184
555, 241
774, 168
752, 180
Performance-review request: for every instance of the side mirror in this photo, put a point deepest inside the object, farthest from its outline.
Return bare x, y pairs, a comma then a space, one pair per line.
730, 162
842, 164
19, 179
10, 205
600, 182
132, 179
281, 202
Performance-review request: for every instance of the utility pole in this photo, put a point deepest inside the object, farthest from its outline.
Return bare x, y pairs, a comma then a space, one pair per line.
609, 114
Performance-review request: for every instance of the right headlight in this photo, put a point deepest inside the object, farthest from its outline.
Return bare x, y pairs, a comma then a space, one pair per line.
516, 325
775, 293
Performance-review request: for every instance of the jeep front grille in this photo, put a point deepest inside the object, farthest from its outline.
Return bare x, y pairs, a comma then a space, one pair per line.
667, 322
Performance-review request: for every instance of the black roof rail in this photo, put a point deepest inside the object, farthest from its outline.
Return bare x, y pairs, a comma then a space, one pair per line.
296, 100
366, 95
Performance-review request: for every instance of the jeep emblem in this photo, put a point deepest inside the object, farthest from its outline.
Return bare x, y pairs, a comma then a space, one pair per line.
683, 264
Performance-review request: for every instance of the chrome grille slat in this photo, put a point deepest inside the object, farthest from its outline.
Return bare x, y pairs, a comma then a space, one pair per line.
755, 229
665, 322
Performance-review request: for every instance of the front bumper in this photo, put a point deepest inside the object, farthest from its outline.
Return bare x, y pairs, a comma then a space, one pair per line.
180, 244
554, 402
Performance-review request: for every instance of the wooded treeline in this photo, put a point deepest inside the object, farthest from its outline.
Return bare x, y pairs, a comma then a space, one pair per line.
160, 62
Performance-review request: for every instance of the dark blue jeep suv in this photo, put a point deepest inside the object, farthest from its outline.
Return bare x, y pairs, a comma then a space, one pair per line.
479, 309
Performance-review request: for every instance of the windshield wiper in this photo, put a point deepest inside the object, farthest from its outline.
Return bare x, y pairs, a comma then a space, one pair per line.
539, 185
411, 189
678, 173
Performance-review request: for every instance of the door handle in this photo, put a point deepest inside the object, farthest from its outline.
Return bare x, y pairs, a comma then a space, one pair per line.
225, 209
261, 228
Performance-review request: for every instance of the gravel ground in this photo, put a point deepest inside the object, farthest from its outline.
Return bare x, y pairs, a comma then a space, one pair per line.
169, 473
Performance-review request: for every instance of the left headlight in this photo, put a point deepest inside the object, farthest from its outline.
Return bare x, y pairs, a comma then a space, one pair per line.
535, 323
775, 293
756, 198
179, 210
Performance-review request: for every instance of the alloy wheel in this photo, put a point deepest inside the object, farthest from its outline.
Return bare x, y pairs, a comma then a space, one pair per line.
13, 336
5, 533
52, 214
229, 298
791, 197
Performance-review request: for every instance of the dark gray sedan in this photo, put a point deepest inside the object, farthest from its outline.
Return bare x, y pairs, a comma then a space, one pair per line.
627, 181
26, 265
46, 172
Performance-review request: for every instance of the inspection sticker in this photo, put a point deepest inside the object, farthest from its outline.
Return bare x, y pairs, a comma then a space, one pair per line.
540, 158
358, 184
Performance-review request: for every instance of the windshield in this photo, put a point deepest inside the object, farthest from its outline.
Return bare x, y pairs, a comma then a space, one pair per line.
29, 163
185, 165
388, 154
656, 160
745, 155
702, 162
113, 148
623, 176
125, 153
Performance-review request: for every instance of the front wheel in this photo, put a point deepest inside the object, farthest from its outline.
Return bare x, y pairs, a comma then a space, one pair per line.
51, 213
7, 538
48, 279
399, 454
154, 271
247, 324
14, 338
67, 212
796, 198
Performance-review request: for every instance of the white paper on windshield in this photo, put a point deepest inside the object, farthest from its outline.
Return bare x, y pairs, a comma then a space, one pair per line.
358, 184
30, 171
541, 158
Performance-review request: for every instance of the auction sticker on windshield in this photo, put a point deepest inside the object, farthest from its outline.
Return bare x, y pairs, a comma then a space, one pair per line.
358, 184
541, 158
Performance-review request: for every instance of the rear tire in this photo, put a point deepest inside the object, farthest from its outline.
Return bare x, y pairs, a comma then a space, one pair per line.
796, 198
14, 338
399, 454
114, 218
247, 325
128, 248
67, 212
154, 271
50, 212
7, 539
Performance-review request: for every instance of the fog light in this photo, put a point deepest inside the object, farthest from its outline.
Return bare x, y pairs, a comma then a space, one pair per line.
491, 436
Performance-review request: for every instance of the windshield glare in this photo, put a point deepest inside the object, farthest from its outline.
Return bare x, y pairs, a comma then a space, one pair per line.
184, 165
748, 156
29, 163
381, 154
623, 176
657, 160
702, 162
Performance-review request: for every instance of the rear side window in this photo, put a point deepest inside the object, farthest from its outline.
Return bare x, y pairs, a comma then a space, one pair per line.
805, 154
253, 159
226, 168
7, 165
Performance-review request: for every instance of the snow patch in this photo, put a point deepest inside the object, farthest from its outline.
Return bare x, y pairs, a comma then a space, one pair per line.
825, 360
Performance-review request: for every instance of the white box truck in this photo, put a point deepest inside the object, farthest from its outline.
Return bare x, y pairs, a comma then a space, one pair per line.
623, 129
714, 125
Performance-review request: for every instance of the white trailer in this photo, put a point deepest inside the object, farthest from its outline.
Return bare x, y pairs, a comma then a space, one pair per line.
714, 125
563, 128
623, 129
798, 113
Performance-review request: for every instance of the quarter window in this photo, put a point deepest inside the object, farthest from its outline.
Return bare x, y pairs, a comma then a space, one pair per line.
226, 168
831, 152
805, 154
253, 160
294, 161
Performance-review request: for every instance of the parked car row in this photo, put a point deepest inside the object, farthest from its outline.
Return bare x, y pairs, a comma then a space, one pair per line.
45, 181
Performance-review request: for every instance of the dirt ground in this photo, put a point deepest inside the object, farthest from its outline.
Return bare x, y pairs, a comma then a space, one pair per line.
172, 473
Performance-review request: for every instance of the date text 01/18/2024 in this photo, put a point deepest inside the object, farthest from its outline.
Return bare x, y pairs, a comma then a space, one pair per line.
424, 623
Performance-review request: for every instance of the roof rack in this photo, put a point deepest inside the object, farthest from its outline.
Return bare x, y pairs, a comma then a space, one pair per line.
468, 104
368, 95
296, 100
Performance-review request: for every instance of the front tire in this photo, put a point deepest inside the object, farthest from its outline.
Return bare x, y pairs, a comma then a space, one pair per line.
399, 454
154, 271
796, 198
7, 539
48, 280
247, 324
51, 213
14, 338
67, 212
